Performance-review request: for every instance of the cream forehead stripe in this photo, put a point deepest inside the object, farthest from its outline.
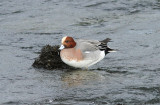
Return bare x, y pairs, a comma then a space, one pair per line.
63, 39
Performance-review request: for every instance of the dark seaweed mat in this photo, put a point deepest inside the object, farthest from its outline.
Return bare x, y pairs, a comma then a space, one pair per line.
49, 58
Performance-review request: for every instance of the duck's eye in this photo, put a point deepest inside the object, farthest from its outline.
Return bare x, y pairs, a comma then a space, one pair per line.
66, 41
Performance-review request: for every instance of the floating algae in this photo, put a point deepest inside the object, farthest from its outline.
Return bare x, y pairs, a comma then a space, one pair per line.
49, 58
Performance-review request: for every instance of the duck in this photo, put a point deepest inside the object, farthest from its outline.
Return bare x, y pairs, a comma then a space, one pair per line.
83, 53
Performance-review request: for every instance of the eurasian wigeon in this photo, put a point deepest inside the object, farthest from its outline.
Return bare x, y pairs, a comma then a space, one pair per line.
82, 53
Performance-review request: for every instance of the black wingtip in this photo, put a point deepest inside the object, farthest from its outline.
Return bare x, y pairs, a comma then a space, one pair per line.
106, 40
104, 46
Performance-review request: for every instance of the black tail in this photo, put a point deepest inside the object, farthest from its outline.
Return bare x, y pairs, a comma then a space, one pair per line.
103, 46
108, 50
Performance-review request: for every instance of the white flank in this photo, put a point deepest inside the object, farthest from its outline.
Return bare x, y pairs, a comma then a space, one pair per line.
112, 51
84, 63
87, 52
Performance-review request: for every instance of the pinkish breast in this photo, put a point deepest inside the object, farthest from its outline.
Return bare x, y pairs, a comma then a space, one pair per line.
71, 54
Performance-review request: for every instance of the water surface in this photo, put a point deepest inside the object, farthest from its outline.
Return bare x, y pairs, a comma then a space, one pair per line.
129, 76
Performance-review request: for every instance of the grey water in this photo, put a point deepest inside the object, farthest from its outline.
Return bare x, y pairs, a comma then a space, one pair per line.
131, 76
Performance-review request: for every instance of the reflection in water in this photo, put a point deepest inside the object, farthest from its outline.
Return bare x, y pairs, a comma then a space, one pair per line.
80, 77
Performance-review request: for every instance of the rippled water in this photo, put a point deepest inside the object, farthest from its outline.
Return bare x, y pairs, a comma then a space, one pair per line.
129, 76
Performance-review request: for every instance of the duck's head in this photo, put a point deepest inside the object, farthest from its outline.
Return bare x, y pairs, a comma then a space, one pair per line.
67, 42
